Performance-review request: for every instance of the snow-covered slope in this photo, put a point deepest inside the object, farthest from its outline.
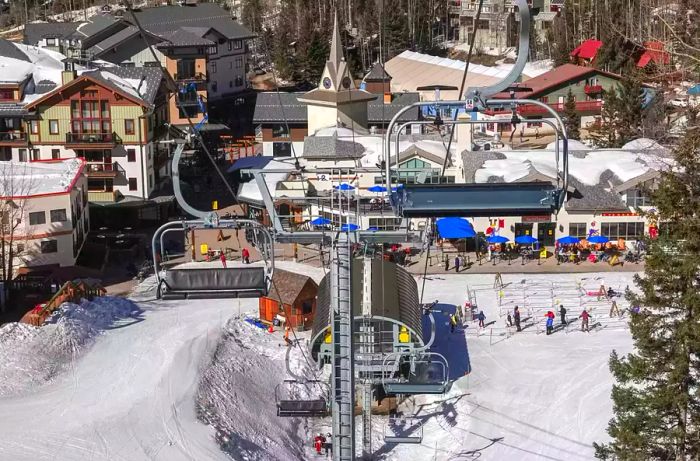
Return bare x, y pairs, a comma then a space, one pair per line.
131, 396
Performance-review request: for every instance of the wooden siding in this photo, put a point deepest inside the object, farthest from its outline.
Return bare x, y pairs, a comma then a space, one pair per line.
578, 88
60, 113
120, 113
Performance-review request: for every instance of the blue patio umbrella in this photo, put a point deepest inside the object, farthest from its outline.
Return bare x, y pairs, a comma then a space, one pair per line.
496, 239
525, 239
349, 227
373, 229
695, 90
455, 228
598, 239
377, 188
568, 240
320, 222
344, 186
394, 189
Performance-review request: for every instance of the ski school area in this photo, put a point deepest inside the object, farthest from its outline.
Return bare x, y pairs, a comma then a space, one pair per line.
181, 379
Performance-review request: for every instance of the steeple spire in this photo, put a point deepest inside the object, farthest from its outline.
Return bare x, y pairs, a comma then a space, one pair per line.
336, 55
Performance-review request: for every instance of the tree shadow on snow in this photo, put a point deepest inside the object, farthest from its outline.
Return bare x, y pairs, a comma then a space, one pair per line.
452, 345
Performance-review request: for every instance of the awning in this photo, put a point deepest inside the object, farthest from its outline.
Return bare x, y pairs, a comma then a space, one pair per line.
455, 228
257, 162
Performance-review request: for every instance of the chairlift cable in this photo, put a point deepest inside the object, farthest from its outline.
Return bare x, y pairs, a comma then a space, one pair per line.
172, 84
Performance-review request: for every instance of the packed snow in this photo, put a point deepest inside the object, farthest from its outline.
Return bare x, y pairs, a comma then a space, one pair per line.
142, 379
251, 191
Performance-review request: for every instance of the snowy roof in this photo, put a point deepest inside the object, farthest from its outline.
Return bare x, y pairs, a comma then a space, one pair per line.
595, 174
249, 191
38, 178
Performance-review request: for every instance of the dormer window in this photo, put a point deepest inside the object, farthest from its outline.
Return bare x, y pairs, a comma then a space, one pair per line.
7, 94
51, 41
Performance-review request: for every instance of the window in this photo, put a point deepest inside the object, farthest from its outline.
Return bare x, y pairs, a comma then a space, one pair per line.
22, 155
35, 154
49, 246
90, 116
53, 126
55, 154
133, 184
214, 87
150, 181
185, 69
230, 64
385, 223
37, 217
638, 197
280, 131
239, 62
238, 44
50, 42
191, 111
624, 230
58, 215
281, 149
7, 94
230, 84
129, 126
20, 248
230, 45
534, 124
578, 229
34, 126
239, 81
213, 67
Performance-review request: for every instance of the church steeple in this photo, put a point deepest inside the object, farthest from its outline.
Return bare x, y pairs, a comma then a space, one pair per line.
336, 45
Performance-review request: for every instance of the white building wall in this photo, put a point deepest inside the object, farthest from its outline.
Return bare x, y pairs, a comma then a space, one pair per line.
226, 69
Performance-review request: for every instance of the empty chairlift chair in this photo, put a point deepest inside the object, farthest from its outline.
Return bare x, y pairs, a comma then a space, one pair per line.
291, 403
427, 373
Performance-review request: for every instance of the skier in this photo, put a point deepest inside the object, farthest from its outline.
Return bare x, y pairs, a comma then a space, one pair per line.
584, 319
286, 336
481, 317
328, 445
614, 310
223, 259
516, 317
457, 263
319, 440
550, 325
453, 322
509, 320
447, 264
245, 255
562, 313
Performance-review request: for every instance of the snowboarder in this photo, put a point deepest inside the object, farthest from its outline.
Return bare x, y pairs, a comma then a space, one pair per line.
319, 440
509, 320
245, 255
562, 314
481, 317
614, 310
516, 317
550, 325
457, 263
453, 322
584, 319
223, 259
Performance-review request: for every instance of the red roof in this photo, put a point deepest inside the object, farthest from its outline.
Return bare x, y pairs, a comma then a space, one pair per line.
587, 50
654, 52
555, 77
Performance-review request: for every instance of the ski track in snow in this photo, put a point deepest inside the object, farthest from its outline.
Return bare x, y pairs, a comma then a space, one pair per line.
132, 394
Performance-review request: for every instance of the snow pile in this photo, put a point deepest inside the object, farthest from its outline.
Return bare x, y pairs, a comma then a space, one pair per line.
251, 191
237, 396
30, 355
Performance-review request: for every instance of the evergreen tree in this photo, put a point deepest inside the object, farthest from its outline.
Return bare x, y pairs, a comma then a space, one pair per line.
656, 396
572, 120
621, 115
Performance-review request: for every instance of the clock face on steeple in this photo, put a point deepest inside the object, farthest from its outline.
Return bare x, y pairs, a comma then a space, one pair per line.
327, 83
346, 82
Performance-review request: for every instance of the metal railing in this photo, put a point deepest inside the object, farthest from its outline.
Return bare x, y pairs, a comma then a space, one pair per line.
99, 168
13, 136
532, 109
188, 77
91, 138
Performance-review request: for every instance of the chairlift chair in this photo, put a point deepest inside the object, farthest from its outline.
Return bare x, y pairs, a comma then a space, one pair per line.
428, 373
291, 407
403, 430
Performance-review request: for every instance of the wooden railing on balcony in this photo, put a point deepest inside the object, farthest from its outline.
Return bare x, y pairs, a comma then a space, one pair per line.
92, 138
13, 137
531, 109
103, 196
196, 77
593, 89
102, 170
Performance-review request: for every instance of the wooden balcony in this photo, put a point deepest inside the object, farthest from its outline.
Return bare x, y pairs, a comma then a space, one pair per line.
92, 140
13, 138
196, 77
104, 196
593, 89
102, 170
531, 109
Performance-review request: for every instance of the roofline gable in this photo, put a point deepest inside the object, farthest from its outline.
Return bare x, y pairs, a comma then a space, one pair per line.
81, 79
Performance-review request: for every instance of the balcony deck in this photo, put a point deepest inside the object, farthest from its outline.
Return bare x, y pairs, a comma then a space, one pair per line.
13, 138
102, 170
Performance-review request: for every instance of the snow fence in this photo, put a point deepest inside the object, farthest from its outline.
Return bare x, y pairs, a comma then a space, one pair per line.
30, 356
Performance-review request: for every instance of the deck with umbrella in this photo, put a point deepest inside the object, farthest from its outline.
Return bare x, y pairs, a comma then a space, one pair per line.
525, 239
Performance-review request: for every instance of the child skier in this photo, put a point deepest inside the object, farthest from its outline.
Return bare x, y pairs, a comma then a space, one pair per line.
481, 317
584, 319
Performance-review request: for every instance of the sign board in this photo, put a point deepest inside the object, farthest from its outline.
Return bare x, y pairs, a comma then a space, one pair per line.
537, 218
619, 214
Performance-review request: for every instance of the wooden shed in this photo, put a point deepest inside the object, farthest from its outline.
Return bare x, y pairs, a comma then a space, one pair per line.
292, 296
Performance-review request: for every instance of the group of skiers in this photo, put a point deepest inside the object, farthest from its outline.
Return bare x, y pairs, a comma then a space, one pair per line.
514, 320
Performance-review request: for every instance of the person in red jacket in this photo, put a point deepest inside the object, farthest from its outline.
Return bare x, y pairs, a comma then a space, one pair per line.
584, 319
245, 255
319, 440
223, 259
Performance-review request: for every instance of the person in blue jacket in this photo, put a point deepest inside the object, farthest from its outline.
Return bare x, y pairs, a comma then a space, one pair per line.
481, 317
550, 325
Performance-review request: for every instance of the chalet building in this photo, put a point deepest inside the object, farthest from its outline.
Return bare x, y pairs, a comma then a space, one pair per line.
585, 83
47, 201
292, 300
